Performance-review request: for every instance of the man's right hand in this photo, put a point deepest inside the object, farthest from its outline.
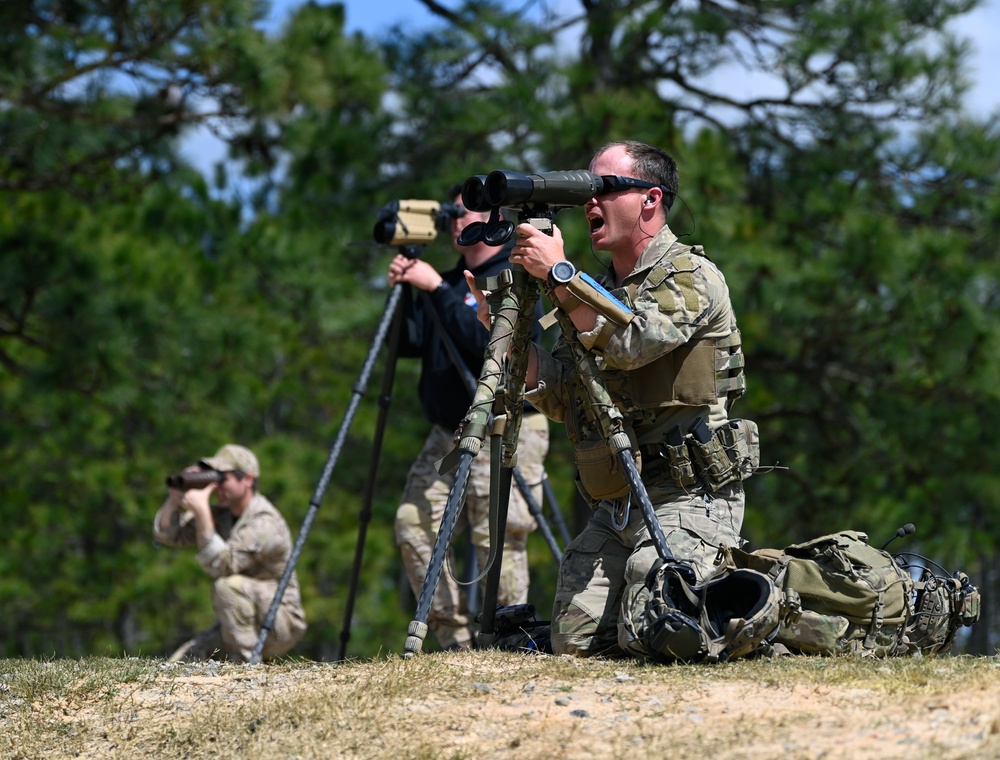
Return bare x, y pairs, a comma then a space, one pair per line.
537, 251
196, 500
415, 272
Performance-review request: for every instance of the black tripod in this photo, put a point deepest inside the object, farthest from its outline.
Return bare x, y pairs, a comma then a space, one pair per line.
389, 325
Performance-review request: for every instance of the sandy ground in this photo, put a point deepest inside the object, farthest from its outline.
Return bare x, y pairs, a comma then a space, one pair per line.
463, 706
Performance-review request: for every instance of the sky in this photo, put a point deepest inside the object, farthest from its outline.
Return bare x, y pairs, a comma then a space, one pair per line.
981, 27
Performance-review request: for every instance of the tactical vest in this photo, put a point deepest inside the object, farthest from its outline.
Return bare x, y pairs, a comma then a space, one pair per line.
699, 373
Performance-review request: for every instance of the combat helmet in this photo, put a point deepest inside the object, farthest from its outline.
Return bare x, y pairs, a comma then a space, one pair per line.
733, 614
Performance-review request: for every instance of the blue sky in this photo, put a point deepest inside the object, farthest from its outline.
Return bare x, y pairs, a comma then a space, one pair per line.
369, 16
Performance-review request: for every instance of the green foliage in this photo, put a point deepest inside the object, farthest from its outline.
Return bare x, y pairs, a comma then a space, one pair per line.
90, 87
873, 367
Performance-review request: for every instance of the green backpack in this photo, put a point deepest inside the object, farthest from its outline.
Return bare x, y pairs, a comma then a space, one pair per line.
840, 596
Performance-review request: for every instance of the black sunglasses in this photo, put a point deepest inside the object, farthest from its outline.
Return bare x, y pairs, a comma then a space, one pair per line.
614, 183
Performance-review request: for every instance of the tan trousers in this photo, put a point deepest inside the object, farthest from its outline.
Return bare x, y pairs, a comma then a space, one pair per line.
241, 604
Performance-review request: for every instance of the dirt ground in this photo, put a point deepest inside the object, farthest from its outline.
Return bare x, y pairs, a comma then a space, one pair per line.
472, 705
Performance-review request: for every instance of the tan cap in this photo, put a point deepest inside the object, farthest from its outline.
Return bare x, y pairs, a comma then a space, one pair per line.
233, 457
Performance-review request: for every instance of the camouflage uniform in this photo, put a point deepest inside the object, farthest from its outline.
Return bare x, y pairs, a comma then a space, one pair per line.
679, 300
247, 558
419, 519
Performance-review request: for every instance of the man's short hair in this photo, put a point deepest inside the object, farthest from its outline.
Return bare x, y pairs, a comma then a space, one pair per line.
651, 164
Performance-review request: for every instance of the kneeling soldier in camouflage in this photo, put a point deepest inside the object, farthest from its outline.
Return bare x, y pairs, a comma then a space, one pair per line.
661, 327
243, 543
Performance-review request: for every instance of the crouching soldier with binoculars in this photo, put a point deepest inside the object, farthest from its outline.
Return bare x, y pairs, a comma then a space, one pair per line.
243, 544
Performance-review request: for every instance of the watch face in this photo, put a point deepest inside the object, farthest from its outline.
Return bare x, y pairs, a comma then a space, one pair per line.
563, 271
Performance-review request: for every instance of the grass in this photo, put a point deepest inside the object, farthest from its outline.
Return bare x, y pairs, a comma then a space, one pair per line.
497, 704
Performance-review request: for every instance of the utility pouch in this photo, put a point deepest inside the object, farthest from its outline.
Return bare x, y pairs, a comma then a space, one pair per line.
742, 443
681, 466
711, 460
969, 607
600, 471
730, 454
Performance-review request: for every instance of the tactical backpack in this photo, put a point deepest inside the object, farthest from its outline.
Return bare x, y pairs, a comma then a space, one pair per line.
841, 596
733, 614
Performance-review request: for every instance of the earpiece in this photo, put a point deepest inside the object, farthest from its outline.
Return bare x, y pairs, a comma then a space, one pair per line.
649, 199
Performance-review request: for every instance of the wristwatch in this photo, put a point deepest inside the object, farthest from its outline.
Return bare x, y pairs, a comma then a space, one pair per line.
561, 273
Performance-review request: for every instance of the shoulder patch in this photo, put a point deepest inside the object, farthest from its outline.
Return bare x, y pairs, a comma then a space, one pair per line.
685, 281
664, 298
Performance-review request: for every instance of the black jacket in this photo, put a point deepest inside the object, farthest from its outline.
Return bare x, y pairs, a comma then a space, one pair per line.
444, 394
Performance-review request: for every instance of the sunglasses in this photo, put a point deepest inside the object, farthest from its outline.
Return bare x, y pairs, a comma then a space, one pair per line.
615, 183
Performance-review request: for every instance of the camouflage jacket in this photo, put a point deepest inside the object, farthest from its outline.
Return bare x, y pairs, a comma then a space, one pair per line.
678, 297
257, 544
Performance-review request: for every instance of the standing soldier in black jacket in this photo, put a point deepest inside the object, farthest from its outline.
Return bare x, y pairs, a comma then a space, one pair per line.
445, 397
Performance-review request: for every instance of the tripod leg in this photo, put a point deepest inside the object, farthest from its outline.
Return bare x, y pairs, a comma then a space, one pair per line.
392, 304
474, 430
557, 515
417, 630
365, 515
487, 629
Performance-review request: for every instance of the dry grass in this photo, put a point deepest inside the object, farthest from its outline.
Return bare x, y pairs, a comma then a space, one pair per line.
495, 704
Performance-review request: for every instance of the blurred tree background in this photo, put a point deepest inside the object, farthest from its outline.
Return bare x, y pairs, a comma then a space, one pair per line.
148, 314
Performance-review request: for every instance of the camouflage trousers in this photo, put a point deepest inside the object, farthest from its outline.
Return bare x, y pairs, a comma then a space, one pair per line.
241, 603
419, 516
603, 569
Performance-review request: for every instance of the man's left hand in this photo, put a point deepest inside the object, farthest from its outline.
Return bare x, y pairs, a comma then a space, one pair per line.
482, 306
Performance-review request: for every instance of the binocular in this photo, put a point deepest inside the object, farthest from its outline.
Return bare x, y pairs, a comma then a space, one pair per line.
548, 192
413, 222
510, 189
185, 481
